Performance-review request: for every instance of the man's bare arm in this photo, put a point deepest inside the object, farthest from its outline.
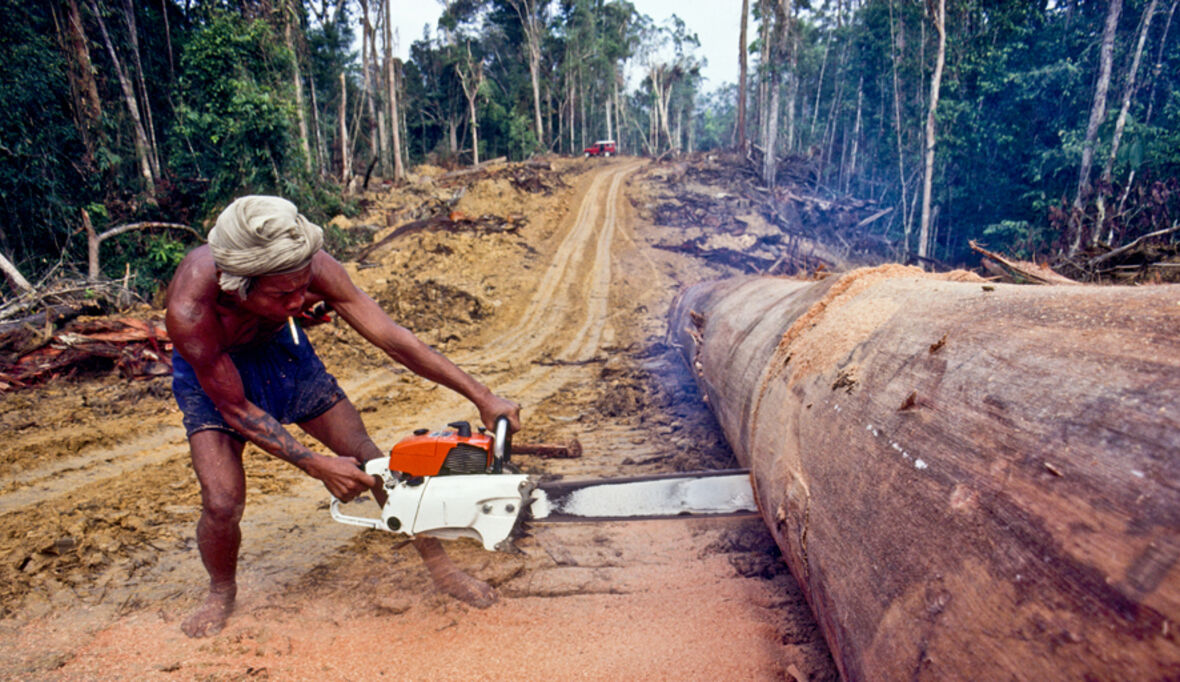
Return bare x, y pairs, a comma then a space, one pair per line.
198, 339
361, 312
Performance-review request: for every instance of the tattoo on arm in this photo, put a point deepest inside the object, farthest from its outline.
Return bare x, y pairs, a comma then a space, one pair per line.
268, 434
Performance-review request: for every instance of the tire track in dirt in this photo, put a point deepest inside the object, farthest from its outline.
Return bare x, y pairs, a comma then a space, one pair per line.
64, 476
289, 540
573, 294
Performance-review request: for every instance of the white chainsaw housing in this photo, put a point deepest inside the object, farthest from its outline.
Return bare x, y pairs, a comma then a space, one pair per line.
479, 506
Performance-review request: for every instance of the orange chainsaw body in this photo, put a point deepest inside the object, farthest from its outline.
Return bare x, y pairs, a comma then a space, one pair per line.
440, 453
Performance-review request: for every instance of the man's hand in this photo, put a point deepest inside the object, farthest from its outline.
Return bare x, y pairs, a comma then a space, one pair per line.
340, 475
494, 407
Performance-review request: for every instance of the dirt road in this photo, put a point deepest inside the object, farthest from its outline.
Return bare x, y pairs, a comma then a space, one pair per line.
567, 316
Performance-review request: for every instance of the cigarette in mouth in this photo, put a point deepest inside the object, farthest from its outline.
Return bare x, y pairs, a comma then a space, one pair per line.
291, 326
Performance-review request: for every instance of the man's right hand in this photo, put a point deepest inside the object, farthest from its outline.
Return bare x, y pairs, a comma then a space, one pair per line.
340, 476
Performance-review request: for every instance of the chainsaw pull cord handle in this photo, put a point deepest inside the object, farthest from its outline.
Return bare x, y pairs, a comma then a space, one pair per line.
501, 450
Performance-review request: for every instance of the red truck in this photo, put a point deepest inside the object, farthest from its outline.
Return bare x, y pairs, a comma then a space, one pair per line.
601, 148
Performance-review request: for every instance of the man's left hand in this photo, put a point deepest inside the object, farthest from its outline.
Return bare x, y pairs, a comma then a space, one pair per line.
495, 407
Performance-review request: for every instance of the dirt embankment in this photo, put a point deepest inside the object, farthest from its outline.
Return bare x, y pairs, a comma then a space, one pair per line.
544, 284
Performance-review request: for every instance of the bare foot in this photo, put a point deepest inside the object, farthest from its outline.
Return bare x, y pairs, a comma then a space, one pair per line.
448, 578
211, 616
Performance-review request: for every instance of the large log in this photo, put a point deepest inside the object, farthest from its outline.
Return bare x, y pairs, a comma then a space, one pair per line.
969, 480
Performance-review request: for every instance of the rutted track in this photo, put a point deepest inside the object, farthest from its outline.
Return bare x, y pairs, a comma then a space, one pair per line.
597, 288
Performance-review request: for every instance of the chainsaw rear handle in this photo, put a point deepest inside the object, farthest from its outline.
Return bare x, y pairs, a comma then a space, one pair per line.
502, 449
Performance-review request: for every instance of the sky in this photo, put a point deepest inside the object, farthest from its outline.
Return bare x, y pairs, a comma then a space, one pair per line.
716, 23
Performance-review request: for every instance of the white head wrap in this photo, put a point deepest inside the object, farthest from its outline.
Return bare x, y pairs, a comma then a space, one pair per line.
261, 235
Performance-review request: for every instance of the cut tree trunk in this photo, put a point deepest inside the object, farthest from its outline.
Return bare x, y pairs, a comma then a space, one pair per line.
969, 480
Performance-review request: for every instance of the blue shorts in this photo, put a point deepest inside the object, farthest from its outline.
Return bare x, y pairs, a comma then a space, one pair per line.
285, 380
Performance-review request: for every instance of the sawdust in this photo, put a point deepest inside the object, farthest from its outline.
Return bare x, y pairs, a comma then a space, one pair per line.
98, 563
843, 319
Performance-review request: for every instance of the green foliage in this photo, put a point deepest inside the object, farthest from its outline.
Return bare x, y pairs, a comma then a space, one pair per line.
41, 183
235, 124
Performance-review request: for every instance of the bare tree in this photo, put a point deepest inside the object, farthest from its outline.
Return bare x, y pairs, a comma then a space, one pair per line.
291, 16
1121, 121
939, 17
743, 67
87, 105
16, 280
345, 149
529, 12
391, 89
142, 147
1097, 114
144, 103
471, 78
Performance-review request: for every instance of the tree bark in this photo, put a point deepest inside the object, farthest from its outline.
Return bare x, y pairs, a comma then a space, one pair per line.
142, 148
345, 149
1097, 114
1159, 63
968, 480
472, 81
743, 67
928, 177
526, 10
13, 276
399, 170
297, 76
95, 239
893, 55
145, 103
84, 89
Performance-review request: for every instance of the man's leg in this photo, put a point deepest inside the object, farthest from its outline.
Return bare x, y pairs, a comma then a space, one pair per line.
217, 460
341, 429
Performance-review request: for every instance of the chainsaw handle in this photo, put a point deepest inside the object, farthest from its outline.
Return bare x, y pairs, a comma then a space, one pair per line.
502, 449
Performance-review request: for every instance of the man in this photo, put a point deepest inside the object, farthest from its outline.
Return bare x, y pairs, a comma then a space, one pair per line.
241, 367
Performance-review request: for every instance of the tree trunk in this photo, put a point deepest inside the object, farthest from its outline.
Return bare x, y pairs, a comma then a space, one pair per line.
345, 150
1097, 114
472, 81
743, 67
526, 10
370, 85
928, 177
1159, 63
1121, 122
15, 280
792, 44
145, 103
142, 148
905, 220
765, 68
297, 77
399, 170
968, 480
860, 94
777, 33
84, 89
320, 140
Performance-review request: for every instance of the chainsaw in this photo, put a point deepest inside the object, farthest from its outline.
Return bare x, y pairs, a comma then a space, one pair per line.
455, 483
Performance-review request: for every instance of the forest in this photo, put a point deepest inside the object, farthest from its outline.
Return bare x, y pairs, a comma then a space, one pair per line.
1041, 129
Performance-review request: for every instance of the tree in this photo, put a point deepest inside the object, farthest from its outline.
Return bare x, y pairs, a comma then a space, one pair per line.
1097, 114
148, 167
743, 50
529, 12
939, 18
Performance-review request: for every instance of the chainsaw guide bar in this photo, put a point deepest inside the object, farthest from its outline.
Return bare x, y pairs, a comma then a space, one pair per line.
495, 505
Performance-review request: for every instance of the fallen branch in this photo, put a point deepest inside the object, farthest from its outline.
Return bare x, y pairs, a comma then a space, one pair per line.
93, 239
1022, 271
1127, 247
15, 279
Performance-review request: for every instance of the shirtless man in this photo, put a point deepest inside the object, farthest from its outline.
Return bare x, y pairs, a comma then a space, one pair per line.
240, 371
